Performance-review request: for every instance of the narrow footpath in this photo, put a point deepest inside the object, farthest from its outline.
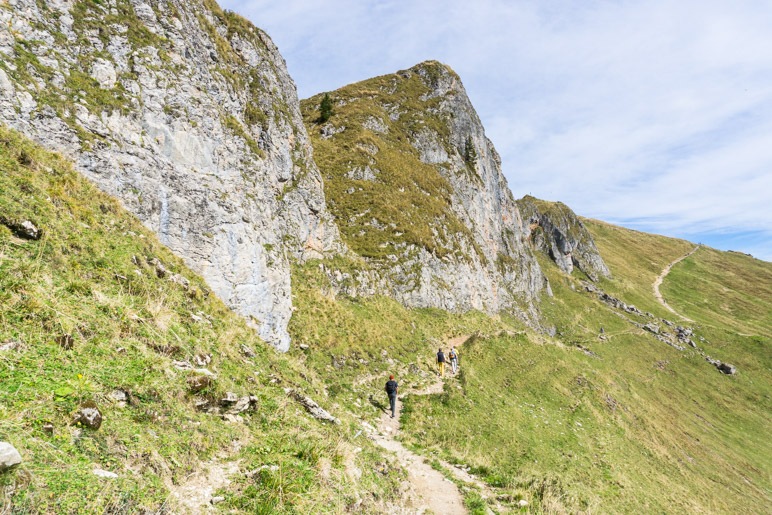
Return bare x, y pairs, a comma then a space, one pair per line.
661, 277
433, 492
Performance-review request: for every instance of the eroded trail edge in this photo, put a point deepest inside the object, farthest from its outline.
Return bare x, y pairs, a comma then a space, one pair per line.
661, 277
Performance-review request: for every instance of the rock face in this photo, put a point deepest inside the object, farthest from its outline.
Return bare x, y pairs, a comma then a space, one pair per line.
188, 115
555, 230
418, 192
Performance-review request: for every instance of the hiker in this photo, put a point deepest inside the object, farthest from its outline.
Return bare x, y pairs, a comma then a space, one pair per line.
441, 362
391, 390
453, 355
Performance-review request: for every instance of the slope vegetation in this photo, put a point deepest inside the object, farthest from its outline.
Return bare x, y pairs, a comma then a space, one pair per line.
94, 309
614, 413
618, 420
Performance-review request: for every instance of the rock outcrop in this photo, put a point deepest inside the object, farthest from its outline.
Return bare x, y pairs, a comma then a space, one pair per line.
418, 192
188, 115
556, 230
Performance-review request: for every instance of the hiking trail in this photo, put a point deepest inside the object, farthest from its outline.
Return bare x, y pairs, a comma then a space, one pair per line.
661, 277
432, 492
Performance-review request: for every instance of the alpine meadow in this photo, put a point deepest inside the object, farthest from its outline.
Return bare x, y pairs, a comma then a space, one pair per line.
205, 284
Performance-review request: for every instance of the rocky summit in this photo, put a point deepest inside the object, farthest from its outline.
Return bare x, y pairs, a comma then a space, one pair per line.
418, 192
187, 114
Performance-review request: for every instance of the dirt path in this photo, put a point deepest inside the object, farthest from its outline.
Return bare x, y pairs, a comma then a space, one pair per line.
433, 493
195, 494
661, 277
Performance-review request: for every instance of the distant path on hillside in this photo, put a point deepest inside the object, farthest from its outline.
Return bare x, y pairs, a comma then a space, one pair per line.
434, 493
661, 277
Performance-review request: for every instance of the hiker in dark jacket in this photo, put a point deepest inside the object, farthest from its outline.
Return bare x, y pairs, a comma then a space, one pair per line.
441, 362
391, 390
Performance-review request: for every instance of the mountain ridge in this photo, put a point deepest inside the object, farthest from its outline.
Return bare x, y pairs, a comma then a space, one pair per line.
408, 149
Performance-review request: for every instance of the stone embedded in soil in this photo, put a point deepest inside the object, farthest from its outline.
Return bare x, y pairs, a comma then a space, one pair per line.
105, 474
66, 341
25, 230
312, 407
199, 383
728, 369
9, 345
89, 415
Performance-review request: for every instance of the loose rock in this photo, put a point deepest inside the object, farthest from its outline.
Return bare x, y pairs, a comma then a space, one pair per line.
9, 345
119, 397
9, 456
89, 415
312, 407
105, 474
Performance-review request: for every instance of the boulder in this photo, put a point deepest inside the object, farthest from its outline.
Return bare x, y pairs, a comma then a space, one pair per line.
9, 456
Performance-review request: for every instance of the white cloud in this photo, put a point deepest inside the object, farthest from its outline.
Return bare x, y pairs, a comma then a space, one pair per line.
649, 113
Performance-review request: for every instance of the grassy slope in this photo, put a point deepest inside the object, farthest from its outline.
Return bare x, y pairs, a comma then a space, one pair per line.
409, 199
80, 279
638, 427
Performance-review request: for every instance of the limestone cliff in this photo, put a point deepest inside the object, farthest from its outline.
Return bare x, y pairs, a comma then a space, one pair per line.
188, 115
417, 190
556, 230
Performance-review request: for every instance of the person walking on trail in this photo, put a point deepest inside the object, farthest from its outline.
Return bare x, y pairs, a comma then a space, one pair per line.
441, 362
453, 355
391, 390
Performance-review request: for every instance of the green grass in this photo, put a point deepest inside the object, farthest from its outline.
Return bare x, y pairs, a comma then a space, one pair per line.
635, 427
89, 277
724, 289
573, 423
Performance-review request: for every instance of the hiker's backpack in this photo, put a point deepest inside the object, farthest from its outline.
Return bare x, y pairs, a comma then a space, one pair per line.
391, 387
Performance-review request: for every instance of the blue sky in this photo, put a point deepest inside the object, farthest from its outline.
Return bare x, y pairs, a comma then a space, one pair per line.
655, 115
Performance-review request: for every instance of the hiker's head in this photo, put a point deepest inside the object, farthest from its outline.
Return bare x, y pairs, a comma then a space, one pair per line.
439, 350
391, 377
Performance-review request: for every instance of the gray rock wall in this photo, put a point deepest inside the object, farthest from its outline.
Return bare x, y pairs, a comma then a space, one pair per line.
557, 231
188, 115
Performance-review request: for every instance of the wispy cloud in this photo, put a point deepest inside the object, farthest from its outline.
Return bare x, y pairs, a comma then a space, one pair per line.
651, 114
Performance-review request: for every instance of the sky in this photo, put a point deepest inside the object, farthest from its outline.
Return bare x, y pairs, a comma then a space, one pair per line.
655, 115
